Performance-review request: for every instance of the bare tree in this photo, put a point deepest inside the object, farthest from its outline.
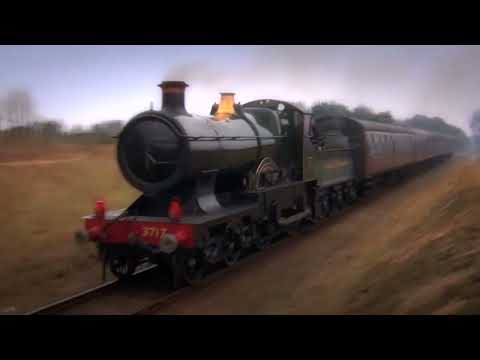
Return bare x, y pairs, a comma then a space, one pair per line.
475, 122
19, 108
475, 127
3, 113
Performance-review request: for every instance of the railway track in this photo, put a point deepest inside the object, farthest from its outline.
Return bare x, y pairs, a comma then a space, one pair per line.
161, 306
156, 307
67, 304
108, 297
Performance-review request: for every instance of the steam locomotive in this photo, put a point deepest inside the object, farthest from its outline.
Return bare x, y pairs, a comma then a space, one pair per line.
214, 187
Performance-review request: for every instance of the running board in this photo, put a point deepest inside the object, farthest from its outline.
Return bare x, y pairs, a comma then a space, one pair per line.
294, 218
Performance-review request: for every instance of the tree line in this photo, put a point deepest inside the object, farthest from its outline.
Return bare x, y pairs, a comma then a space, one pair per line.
19, 118
363, 112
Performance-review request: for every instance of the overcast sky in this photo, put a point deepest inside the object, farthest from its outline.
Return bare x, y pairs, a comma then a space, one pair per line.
87, 84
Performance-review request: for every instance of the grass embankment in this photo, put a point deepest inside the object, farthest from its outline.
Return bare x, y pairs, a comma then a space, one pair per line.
434, 265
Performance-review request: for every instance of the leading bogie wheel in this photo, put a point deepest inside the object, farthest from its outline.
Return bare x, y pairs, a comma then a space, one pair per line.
122, 267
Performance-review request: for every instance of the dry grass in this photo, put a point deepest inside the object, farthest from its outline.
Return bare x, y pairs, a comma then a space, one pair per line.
432, 266
42, 206
14, 149
413, 250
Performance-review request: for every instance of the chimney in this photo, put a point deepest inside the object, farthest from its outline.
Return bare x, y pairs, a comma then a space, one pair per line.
226, 108
173, 97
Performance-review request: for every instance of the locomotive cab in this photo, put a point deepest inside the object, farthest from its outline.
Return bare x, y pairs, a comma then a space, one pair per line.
288, 120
